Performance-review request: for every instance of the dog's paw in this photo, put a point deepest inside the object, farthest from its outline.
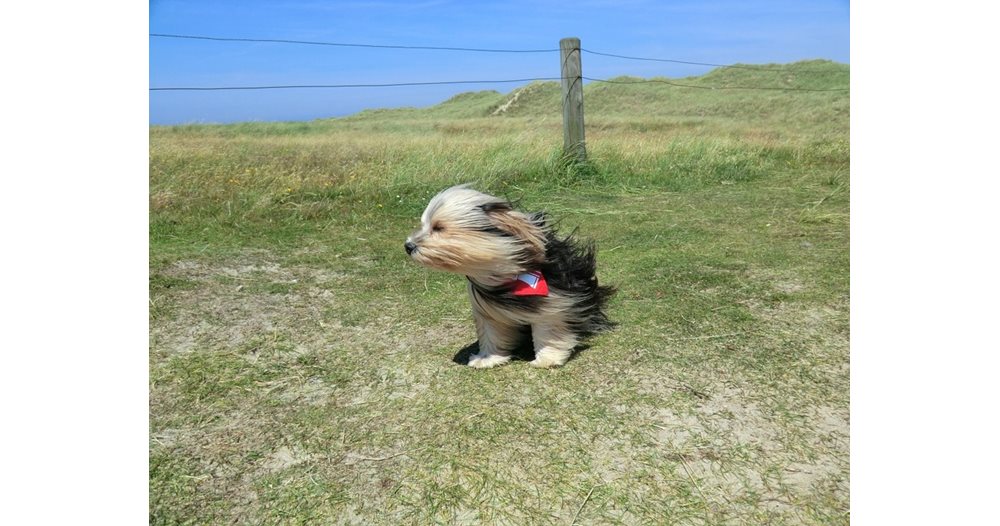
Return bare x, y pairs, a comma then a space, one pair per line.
545, 363
483, 361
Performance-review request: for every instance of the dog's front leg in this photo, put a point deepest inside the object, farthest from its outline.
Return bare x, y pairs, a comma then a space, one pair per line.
495, 342
553, 344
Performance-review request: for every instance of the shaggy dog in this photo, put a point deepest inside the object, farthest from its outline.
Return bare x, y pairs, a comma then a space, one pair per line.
523, 278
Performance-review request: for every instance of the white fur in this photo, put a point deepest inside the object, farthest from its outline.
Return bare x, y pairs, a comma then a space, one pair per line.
485, 239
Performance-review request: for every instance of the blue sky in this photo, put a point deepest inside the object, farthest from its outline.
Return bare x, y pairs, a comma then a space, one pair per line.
699, 31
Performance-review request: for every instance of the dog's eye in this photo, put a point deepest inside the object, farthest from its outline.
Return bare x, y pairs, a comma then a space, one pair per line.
437, 228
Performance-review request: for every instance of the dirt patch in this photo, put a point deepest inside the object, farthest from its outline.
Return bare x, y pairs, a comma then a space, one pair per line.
313, 392
781, 281
285, 457
725, 420
167, 438
253, 297
512, 100
735, 448
248, 298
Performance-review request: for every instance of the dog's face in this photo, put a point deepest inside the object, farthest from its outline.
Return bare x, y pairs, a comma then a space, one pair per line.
476, 234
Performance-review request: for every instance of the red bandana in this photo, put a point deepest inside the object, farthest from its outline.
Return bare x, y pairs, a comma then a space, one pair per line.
530, 284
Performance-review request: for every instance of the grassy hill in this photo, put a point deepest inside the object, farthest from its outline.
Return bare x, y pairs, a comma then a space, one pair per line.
660, 97
629, 129
632, 98
302, 369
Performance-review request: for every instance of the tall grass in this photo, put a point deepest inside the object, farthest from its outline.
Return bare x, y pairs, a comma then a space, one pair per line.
652, 134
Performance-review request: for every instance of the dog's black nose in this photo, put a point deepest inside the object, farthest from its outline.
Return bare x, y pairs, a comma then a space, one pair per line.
410, 247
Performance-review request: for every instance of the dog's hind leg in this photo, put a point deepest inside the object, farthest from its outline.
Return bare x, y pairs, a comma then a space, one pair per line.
553, 344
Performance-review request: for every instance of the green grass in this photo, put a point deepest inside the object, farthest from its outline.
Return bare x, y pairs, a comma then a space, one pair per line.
301, 366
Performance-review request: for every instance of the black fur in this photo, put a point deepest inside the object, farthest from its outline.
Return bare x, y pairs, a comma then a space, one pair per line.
571, 266
503, 297
496, 206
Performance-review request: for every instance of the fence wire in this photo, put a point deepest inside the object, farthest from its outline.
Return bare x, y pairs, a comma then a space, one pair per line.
478, 81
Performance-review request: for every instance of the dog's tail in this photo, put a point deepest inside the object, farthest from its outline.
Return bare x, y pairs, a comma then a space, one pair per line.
599, 321
571, 265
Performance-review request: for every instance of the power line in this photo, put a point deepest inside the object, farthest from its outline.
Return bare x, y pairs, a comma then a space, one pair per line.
444, 82
481, 50
732, 66
679, 85
304, 86
438, 48
343, 44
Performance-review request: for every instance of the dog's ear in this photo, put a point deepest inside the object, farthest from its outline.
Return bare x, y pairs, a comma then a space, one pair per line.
496, 206
519, 225
540, 218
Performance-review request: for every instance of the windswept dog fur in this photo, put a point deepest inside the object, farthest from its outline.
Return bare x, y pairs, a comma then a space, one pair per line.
523, 278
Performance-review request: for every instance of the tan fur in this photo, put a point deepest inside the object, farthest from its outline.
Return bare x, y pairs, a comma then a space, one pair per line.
520, 226
484, 238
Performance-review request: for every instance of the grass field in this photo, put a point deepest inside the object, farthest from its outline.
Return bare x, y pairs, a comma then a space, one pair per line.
302, 369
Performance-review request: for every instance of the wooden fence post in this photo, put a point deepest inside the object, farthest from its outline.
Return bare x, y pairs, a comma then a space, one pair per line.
574, 146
